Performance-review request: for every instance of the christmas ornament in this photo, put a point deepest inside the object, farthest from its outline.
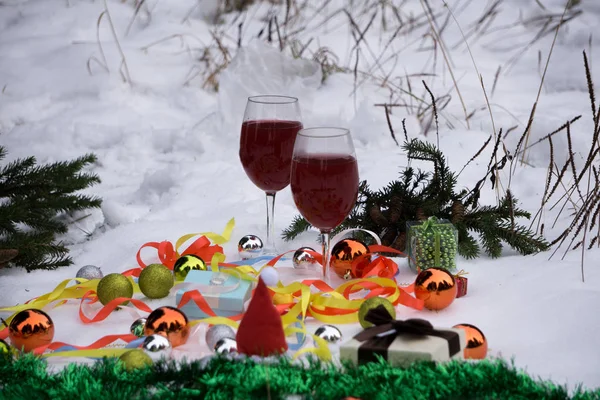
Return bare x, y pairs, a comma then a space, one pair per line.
372, 303
156, 281
303, 259
436, 287
250, 246
169, 322
157, 347
477, 345
135, 359
343, 255
270, 276
261, 331
30, 329
432, 244
89, 272
218, 332
226, 346
5, 349
185, 264
137, 328
113, 286
347, 275
329, 333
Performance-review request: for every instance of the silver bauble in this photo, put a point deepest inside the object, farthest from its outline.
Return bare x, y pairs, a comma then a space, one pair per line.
137, 328
303, 259
218, 332
89, 272
157, 347
250, 246
329, 333
226, 346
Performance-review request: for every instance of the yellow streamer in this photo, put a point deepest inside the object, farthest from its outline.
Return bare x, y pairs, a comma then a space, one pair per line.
95, 353
215, 238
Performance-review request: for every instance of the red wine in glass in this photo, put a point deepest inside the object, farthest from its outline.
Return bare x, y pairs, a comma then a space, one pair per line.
325, 188
324, 180
266, 152
267, 137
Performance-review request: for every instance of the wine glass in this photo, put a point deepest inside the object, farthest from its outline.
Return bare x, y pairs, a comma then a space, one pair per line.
266, 144
324, 181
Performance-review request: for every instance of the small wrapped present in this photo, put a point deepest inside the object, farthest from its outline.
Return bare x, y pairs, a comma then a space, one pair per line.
402, 342
461, 284
431, 244
226, 294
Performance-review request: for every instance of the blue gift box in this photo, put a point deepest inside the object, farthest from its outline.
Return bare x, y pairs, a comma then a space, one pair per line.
225, 294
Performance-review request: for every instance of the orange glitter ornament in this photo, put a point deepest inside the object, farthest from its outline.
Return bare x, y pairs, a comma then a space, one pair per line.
343, 255
169, 322
477, 345
31, 329
436, 287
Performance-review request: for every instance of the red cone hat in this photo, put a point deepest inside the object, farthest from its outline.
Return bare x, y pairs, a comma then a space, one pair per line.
261, 331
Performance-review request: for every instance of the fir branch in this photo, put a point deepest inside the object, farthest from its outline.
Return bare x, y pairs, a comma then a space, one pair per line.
298, 226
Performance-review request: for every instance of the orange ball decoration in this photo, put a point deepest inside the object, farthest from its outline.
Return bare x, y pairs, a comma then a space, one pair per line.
169, 322
477, 345
31, 329
343, 255
436, 287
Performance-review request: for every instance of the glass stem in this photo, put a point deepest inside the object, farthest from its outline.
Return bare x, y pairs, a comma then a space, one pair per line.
326, 239
270, 245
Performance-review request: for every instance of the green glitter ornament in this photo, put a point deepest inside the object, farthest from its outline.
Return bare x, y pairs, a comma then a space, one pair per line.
113, 286
156, 281
135, 359
185, 264
372, 303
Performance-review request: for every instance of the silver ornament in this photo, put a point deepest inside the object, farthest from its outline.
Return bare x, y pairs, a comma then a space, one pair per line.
250, 246
303, 259
218, 332
329, 333
137, 328
226, 346
157, 347
89, 272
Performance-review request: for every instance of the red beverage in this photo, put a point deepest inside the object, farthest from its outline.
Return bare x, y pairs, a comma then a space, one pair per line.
325, 188
266, 149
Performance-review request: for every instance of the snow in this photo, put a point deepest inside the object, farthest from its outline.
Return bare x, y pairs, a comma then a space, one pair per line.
167, 143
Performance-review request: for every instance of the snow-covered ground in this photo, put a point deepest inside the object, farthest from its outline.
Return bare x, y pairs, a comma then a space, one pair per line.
167, 143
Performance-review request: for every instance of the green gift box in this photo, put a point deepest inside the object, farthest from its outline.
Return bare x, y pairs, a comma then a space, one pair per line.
431, 244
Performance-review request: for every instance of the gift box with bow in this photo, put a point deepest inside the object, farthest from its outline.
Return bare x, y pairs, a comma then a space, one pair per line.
431, 244
225, 294
402, 342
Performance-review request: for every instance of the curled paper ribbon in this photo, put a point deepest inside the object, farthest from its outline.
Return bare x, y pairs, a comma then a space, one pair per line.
201, 247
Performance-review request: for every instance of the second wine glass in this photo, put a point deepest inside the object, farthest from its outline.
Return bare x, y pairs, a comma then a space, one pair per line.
266, 145
324, 181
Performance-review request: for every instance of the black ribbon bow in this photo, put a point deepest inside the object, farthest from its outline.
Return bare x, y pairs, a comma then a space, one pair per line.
376, 343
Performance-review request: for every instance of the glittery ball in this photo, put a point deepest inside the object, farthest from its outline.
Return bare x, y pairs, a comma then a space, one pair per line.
218, 332
89, 272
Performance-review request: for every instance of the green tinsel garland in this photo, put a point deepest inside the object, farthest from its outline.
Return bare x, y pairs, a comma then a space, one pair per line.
29, 378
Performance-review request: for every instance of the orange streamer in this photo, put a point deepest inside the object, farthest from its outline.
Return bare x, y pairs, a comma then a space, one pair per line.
109, 308
98, 344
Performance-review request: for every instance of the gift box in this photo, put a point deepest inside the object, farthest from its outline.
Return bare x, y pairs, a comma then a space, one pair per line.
401, 343
461, 285
433, 243
225, 294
